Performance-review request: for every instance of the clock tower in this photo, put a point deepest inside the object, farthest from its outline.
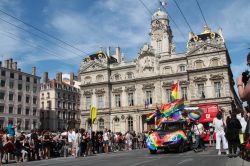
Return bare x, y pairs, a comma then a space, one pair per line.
161, 34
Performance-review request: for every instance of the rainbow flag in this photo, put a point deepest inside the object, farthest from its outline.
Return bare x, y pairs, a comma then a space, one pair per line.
157, 113
170, 108
175, 91
150, 116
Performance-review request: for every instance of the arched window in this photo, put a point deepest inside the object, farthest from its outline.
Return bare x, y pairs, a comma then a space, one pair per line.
130, 124
99, 78
198, 64
101, 124
88, 79
214, 62
167, 70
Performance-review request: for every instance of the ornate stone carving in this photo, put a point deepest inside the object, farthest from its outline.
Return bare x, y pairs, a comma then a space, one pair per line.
117, 90
88, 92
130, 88
216, 76
99, 91
167, 84
183, 82
148, 86
200, 79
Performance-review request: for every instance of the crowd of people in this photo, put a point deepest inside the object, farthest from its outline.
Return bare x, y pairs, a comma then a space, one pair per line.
39, 145
229, 135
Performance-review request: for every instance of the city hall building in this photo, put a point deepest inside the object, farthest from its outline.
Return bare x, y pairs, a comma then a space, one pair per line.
124, 93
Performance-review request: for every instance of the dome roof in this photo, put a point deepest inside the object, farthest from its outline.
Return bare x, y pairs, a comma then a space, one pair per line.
159, 15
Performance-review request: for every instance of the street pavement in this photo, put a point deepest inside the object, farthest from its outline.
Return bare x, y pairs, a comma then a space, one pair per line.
142, 157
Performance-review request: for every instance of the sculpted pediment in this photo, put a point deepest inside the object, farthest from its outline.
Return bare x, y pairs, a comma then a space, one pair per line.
203, 48
200, 79
183, 82
117, 90
88, 92
99, 91
148, 86
167, 84
146, 50
91, 66
216, 76
130, 88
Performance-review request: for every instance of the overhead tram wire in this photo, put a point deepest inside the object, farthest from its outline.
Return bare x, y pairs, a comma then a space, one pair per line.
51, 36
201, 12
169, 17
172, 20
31, 45
34, 34
183, 15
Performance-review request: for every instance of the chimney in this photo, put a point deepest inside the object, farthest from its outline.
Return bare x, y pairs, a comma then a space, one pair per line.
59, 77
117, 54
10, 63
71, 79
14, 65
108, 51
33, 71
123, 60
6, 63
45, 77
19, 69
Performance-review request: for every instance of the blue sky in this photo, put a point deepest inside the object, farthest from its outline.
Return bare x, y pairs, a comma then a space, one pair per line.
89, 24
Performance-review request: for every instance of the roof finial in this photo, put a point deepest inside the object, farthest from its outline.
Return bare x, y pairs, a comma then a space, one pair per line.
206, 29
100, 51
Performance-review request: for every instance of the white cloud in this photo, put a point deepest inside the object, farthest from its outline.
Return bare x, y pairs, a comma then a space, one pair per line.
235, 21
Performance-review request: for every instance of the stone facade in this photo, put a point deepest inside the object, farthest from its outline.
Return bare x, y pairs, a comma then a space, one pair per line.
19, 97
125, 92
60, 103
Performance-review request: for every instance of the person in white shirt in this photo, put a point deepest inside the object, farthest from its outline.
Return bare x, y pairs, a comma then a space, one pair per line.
106, 137
198, 130
71, 141
220, 133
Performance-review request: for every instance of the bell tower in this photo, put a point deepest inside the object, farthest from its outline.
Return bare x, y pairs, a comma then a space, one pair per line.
161, 34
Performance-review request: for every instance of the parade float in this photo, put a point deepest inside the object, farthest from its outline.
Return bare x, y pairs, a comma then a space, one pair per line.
171, 121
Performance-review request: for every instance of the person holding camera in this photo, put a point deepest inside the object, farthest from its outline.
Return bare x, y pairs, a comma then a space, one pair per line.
244, 89
243, 85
